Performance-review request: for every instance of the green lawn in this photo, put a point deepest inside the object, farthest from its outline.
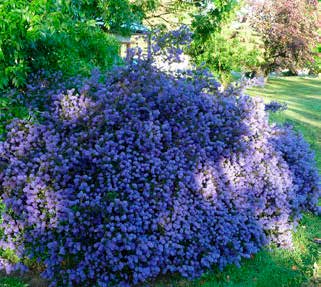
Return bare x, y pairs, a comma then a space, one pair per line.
274, 268
303, 97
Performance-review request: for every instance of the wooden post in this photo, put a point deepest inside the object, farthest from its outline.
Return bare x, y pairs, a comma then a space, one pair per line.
128, 45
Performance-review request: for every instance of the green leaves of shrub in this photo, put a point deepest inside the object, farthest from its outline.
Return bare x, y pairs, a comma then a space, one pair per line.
232, 49
9, 110
50, 35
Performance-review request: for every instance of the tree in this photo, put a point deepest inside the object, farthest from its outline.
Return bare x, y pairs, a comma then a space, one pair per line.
223, 41
289, 30
62, 35
234, 48
211, 16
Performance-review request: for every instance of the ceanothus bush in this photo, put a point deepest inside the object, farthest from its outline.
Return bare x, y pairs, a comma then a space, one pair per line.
275, 106
146, 173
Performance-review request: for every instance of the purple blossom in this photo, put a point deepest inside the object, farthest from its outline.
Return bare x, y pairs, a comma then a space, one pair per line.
275, 106
145, 173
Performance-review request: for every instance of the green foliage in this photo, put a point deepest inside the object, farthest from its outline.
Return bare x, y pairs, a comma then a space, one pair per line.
216, 42
8, 111
119, 15
212, 14
220, 44
282, 36
51, 35
204, 16
12, 282
315, 66
234, 48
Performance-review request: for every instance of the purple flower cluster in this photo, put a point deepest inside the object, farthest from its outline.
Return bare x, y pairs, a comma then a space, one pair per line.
147, 173
170, 45
40, 89
275, 106
301, 161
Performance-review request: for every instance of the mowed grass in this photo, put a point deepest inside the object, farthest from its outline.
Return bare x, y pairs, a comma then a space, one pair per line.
303, 97
300, 267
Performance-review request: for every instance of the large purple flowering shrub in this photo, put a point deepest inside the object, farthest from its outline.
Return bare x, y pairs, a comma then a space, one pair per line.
147, 173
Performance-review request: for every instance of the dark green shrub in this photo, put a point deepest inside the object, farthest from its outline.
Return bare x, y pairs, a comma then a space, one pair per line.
50, 35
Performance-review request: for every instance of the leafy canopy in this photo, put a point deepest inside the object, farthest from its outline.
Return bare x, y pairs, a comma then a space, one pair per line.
62, 35
289, 30
223, 41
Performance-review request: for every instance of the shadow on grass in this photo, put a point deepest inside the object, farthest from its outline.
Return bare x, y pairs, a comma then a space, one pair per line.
303, 97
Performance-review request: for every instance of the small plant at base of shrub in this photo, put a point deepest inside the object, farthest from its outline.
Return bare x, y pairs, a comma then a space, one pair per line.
149, 173
275, 106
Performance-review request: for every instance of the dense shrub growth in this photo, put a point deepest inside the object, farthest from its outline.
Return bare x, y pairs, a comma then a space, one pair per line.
51, 35
146, 173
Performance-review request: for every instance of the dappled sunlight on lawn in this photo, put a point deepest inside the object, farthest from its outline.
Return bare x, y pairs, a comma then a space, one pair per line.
303, 97
297, 114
